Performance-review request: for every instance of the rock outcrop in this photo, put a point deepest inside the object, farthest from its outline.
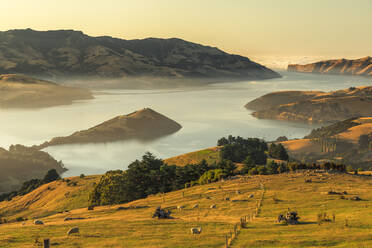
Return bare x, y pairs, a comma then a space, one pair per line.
361, 67
19, 91
313, 106
64, 54
144, 124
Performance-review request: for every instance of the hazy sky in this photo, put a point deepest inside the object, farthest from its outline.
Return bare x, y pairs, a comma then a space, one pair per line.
247, 27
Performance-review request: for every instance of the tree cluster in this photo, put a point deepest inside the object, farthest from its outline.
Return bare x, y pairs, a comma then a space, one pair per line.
142, 178
238, 149
278, 151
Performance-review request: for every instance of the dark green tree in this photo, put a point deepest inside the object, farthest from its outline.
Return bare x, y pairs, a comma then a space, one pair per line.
52, 175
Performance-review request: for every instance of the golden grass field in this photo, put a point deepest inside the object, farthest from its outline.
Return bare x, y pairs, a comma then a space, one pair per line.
133, 227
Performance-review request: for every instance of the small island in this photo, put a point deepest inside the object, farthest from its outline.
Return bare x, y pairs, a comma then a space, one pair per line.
313, 106
20, 91
144, 124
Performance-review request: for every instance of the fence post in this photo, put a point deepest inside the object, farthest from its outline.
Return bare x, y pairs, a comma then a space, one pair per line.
226, 241
46, 243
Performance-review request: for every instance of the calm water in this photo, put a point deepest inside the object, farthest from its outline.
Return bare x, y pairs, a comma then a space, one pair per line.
206, 114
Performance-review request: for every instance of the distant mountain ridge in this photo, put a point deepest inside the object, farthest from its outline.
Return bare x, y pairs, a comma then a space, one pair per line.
360, 67
68, 54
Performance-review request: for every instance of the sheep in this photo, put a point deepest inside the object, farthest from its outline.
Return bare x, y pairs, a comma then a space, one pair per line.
73, 230
195, 206
213, 206
38, 222
179, 208
196, 230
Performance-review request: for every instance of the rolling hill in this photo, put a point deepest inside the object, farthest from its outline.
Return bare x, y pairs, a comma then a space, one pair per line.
360, 67
337, 142
313, 106
20, 163
210, 155
20, 91
131, 224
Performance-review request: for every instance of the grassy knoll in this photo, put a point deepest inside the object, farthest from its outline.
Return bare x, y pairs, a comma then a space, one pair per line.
211, 155
107, 226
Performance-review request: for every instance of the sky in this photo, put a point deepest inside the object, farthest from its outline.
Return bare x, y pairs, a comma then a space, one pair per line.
317, 28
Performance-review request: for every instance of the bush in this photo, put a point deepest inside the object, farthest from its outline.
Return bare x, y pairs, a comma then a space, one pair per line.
211, 176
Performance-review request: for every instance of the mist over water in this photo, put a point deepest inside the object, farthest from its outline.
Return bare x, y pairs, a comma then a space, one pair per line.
206, 114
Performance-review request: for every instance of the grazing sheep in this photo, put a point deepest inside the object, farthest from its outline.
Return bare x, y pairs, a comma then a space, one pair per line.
73, 231
196, 230
213, 206
195, 206
250, 196
179, 208
238, 192
38, 222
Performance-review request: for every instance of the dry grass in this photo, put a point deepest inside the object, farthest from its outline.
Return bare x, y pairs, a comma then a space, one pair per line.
107, 227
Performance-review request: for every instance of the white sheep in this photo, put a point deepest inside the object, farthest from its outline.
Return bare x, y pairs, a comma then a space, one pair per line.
195, 206
179, 208
213, 206
196, 230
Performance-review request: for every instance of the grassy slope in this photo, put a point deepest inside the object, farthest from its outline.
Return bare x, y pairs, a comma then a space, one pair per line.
211, 155
343, 132
107, 227
51, 198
